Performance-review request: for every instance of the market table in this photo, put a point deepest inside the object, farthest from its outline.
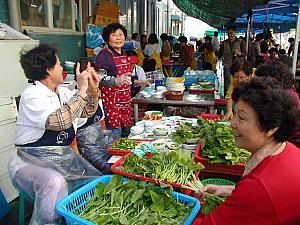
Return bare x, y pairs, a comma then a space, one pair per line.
201, 100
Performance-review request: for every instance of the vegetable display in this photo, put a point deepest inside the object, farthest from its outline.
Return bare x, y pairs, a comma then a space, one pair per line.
124, 144
176, 166
134, 203
217, 143
185, 132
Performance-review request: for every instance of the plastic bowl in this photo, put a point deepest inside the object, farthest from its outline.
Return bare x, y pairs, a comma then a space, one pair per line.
153, 113
136, 130
172, 95
192, 141
159, 144
189, 146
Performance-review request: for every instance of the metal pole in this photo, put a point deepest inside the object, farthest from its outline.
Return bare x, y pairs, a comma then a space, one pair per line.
295, 53
168, 29
250, 14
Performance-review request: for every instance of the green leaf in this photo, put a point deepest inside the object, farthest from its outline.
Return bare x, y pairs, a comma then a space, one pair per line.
137, 195
154, 196
123, 219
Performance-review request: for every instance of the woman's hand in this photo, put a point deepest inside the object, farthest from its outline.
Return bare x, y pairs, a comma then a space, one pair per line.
94, 79
221, 191
124, 79
82, 79
228, 115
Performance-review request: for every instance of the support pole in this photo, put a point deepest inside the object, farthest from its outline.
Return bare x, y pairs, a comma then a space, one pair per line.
249, 17
295, 53
14, 14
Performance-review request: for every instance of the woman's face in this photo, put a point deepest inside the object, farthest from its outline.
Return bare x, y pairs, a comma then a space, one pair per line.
117, 39
241, 76
56, 72
246, 128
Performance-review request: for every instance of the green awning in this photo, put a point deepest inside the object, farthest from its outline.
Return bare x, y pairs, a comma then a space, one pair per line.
217, 13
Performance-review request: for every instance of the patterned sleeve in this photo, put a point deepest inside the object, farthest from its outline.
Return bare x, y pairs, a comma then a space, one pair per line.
79, 106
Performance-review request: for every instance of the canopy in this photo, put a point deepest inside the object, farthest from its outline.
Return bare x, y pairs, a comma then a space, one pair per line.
217, 13
281, 15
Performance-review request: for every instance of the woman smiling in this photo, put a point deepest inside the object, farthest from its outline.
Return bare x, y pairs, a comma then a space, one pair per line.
268, 193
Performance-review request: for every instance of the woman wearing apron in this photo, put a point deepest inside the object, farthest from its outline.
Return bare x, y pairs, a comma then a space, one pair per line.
116, 97
42, 161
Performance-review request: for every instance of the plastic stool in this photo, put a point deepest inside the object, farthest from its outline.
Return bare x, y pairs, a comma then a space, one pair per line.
22, 199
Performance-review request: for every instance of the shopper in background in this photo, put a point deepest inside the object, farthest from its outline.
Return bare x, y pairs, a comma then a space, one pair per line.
143, 41
152, 50
165, 55
231, 49
216, 43
116, 96
241, 71
266, 116
135, 38
209, 57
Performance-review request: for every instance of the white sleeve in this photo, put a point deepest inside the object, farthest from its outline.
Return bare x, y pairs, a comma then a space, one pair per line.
158, 49
140, 73
147, 50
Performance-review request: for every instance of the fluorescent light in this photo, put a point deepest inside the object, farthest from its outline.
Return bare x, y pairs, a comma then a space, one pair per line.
32, 5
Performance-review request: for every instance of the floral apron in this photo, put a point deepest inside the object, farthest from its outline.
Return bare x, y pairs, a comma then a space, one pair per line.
117, 100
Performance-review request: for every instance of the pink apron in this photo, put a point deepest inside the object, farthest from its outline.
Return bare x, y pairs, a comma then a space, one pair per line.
117, 100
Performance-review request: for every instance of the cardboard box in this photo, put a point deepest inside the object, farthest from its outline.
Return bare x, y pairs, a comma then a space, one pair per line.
104, 20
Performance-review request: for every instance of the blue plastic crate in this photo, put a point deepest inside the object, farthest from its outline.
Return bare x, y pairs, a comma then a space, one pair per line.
4, 206
77, 200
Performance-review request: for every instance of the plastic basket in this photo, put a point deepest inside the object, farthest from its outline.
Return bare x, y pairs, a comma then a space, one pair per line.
202, 91
220, 102
77, 200
236, 169
124, 152
121, 161
210, 116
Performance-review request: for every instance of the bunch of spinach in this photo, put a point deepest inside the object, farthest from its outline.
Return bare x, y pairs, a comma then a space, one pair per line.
175, 166
134, 203
184, 132
217, 143
124, 144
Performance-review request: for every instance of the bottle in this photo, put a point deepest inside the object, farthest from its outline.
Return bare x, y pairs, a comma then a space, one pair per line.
158, 79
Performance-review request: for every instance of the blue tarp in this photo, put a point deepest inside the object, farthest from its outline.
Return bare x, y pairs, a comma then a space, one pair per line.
281, 15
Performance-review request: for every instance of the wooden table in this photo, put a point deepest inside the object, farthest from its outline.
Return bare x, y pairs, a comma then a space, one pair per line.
201, 100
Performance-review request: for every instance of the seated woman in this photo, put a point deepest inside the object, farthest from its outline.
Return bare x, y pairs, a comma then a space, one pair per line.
42, 164
241, 70
268, 192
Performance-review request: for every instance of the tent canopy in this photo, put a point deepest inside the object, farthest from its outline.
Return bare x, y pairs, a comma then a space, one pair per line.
217, 13
281, 15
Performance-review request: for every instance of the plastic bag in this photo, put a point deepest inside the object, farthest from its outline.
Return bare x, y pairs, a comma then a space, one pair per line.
51, 174
92, 143
94, 36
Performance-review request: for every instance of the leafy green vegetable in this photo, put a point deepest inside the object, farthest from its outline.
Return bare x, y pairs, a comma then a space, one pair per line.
176, 166
217, 143
124, 144
134, 203
184, 132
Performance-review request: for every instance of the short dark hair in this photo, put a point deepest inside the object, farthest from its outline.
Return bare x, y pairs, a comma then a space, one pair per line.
111, 28
152, 39
291, 39
131, 53
134, 36
208, 38
278, 70
216, 33
274, 106
182, 39
282, 51
164, 37
273, 49
36, 61
242, 64
231, 27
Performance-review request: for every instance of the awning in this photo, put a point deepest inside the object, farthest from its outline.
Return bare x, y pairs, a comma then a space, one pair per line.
217, 13
281, 15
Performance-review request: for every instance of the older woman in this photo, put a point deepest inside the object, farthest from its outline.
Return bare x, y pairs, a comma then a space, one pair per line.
116, 94
269, 190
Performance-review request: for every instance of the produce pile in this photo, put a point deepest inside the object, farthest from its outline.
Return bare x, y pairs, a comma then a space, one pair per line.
124, 144
217, 143
134, 203
176, 166
185, 132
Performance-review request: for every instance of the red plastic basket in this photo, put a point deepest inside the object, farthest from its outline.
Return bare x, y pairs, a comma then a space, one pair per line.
121, 161
124, 152
202, 91
236, 169
210, 116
